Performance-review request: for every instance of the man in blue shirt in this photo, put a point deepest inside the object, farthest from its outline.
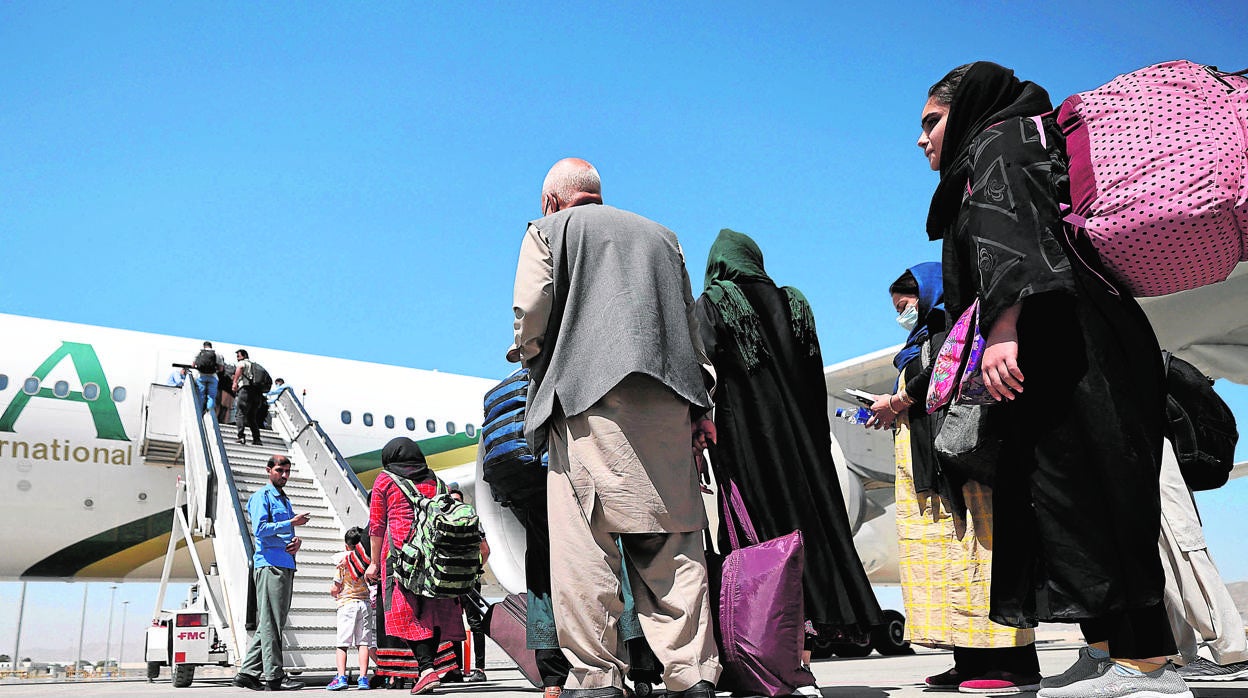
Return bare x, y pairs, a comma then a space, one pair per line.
273, 524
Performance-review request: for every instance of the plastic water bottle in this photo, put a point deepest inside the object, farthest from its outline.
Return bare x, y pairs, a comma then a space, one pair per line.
852, 415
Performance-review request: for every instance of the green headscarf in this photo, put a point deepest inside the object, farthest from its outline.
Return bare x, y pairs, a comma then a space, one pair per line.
735, 258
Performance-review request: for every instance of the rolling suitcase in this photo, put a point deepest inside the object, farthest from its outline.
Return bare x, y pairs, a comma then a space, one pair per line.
506, 627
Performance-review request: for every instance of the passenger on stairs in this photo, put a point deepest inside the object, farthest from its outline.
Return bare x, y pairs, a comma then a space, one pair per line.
279, 385
273, 522
207, 364
249, 401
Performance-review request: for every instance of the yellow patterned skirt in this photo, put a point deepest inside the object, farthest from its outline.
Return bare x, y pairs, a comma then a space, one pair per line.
946, 564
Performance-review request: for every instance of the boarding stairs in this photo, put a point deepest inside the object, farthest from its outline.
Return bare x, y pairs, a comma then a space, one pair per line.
220, 475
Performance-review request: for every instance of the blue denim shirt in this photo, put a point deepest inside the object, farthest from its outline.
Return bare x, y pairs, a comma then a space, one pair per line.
270, 513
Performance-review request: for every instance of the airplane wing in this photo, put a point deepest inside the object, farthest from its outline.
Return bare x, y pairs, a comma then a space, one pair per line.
864, 462
868, 453
1207, 326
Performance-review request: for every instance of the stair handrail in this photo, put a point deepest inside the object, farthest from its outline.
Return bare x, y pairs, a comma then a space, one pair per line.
200, 477
233, 546
341, 485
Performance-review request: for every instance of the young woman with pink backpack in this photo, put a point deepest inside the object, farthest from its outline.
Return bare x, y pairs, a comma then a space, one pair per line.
1074, 371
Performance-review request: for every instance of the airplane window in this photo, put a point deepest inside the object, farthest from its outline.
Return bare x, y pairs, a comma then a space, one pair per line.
90, 392
61, 389
368, 419
470, 430
450, 427
4, 381
346, 416
411, 423
31, 386
119, 394
389, 422
430, 426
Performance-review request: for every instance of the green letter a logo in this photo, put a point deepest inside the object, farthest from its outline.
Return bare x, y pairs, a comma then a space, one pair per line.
87, 364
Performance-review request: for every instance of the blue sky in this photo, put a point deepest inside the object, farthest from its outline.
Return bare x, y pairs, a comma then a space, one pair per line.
353, 179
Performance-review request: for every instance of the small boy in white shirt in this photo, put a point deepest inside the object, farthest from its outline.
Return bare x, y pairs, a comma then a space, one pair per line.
355, 614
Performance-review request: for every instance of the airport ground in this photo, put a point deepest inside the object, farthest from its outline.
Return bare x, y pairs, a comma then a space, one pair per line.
871, 677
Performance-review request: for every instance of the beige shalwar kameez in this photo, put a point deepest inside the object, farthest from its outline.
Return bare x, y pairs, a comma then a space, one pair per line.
624, 467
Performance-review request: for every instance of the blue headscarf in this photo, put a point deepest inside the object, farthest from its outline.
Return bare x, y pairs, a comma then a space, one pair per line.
931, 305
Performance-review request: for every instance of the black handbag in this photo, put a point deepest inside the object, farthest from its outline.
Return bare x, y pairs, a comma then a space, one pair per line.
968, 441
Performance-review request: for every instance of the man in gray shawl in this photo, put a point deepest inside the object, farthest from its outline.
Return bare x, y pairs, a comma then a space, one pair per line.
604, 320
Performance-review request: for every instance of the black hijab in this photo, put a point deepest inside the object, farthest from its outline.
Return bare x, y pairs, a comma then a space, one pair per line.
987, 95
403, 457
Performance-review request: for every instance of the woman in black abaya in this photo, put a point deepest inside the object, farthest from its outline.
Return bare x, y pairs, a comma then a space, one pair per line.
771, 414
1077, 370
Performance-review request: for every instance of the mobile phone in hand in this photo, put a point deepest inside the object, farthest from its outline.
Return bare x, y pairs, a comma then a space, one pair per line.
861, 396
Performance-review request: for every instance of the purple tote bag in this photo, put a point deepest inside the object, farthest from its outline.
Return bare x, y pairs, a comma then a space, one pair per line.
762, 615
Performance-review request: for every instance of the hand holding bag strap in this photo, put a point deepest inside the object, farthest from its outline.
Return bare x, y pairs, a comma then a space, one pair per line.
735, 514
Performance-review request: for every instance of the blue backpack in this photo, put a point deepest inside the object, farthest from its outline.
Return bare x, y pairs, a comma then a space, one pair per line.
516, 475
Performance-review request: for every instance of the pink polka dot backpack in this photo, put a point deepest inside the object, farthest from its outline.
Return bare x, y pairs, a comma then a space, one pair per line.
1159, 175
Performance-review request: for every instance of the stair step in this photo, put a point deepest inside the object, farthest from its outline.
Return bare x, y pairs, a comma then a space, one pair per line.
311, 632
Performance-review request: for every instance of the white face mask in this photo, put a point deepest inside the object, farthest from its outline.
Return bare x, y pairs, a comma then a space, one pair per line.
909, 318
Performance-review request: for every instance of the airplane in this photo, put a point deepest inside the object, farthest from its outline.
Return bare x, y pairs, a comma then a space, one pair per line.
72, 405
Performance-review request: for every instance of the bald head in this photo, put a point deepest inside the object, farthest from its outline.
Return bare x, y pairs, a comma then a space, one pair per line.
571, 182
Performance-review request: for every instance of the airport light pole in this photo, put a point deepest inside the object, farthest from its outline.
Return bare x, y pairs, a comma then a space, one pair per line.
21, 611
121, 649
108, 642
81, 625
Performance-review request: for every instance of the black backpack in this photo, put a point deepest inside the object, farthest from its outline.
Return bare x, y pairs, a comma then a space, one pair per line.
206, 362
259, 378
1199, 424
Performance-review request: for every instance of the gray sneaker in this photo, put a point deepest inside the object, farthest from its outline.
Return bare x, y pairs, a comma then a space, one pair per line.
1085, 667
1118, 682
1202, 669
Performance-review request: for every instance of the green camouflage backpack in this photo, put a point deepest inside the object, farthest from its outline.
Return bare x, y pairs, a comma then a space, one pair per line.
441, 557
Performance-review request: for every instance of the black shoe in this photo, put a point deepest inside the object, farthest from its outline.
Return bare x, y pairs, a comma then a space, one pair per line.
286, 684
257, 442
701, 689
474, 676
453, 676
247, 681
241, 440
605, 692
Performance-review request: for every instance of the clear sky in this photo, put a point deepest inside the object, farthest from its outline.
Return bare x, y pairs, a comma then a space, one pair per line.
352, 179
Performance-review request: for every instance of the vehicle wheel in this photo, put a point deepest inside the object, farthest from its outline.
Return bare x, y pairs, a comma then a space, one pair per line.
183, 674
851, 650
889, 638
821, 649
642, 689
153, 670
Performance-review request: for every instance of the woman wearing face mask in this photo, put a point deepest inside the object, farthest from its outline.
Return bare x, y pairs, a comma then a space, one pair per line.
1075, 367
944, 524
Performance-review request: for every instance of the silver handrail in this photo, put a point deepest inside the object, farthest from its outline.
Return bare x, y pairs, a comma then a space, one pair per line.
200, 476
345, 491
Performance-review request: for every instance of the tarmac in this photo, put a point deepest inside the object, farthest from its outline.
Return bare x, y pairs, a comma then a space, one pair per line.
870, 677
